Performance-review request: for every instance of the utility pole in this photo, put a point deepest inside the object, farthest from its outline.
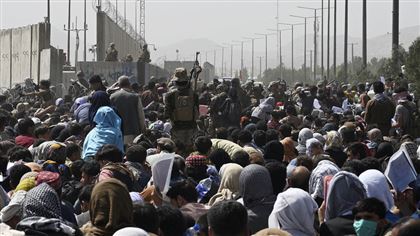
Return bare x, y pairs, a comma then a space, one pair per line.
260, 66
281, 61
68, 33
231, 57
214, 60
223, 61
310, 56
304, 43
48, 11
292, 27
335, 40
315, 40
76, 30
242, 56
278, 35
346, 24
328, 41
322, 39
252, 63
352, 56
84, 31
266, 49
364, 35
125, 15
116, 11
395, 32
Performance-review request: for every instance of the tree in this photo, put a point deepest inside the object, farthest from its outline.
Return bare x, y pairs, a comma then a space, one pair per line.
412, 64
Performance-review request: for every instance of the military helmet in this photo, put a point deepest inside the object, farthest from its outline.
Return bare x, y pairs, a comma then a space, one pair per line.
180, 75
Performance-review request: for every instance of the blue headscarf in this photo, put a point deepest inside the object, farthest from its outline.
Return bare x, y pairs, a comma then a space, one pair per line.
98, 99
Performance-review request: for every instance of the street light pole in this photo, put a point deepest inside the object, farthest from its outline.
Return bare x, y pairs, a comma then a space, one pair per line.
364, 35
315, 41
266, 49
252, 63
304, 43
346, 16
335, 40
280, 55
328, 41
292, 28
84, 32
242, 56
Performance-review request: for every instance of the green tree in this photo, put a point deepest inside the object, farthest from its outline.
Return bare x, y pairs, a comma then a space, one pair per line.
412, 64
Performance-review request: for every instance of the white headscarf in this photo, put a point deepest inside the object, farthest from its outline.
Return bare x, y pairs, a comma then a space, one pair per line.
131, 231
377, 186
294, 212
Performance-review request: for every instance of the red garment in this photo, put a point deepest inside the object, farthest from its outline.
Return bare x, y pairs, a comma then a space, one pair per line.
25, 141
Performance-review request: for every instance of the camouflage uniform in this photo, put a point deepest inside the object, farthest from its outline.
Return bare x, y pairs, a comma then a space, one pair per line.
181, 106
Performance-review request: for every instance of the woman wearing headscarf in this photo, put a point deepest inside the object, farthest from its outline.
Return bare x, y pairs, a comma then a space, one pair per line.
290, 151
110, 209
304, 135
334, 147
42, 214
294, 212
316, 181
344, 191
81, 110
97, 100
229, 185
106, 131
263, 111
376, 186
257, 195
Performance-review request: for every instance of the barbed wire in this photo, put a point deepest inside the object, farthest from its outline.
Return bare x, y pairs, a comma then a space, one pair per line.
108, 8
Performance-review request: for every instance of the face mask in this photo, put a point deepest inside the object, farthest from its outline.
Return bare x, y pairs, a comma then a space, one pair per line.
365, 227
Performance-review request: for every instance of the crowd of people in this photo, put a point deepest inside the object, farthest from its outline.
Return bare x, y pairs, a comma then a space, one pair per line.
224, 158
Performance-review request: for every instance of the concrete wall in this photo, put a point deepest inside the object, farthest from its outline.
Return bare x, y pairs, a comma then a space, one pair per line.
107, 32
20, 53
5, 58
51, 61
110, 71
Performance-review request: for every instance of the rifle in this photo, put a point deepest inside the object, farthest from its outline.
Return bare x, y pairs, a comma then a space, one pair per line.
195, 71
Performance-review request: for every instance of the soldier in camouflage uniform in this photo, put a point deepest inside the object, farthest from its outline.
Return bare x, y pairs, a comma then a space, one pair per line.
181, 106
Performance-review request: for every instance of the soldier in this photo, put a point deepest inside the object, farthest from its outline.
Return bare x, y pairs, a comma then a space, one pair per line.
111, 53
181, 106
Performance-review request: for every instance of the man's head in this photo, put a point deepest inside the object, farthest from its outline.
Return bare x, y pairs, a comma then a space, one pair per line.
26, 127
80, 74
108, 153
95, 83
165, 144
182, 193
202, 144
369, 217
378, 87
90, 170
44, 84
228, 218
356, 151
124, 82
136, 153
299, 178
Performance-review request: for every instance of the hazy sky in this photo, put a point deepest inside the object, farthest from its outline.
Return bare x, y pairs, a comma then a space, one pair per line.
169, 21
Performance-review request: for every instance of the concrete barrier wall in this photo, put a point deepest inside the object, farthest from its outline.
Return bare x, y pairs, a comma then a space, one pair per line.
107, 32
110, 71
25, 55
20, 53
5, 57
